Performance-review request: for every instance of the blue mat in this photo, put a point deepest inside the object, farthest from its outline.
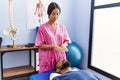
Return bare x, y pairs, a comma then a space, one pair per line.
41, 76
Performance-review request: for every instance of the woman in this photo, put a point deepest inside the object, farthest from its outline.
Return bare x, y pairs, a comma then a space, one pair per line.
52, 40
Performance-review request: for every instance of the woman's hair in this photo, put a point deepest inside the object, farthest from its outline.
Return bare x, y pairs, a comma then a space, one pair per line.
52, 6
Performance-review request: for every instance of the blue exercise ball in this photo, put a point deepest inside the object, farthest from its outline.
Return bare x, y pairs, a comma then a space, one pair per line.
74, 55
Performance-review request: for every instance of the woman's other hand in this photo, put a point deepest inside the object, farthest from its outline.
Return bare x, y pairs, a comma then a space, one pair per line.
60, 49
64, 46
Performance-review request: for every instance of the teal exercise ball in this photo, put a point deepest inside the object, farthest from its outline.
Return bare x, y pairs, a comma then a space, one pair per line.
74, 55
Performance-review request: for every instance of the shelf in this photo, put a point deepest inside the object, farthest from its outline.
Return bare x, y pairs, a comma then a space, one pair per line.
13, 72
17, 71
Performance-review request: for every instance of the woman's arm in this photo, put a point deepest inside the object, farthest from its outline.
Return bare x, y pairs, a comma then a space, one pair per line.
46, 47
58, 48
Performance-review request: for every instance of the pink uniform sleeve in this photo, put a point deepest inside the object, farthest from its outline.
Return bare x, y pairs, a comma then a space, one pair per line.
39, 38
66, 36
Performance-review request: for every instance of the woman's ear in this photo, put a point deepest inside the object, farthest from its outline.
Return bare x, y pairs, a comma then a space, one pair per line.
48, 17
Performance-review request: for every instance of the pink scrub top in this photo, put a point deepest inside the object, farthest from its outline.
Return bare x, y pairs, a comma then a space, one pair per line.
47, 35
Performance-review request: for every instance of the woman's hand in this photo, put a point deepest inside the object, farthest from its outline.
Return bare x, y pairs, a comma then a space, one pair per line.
64, 46
58, 48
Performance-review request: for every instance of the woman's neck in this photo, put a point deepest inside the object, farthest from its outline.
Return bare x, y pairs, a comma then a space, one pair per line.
53, 24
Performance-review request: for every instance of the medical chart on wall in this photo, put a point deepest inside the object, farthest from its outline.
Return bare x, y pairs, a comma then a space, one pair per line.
36, 13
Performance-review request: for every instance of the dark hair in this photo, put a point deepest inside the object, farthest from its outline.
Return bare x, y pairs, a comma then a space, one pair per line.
52, 6
65, 65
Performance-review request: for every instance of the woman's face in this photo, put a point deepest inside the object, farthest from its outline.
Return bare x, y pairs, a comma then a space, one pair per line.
54, 15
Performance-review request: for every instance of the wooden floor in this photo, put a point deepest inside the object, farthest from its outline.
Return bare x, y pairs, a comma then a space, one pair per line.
17, 71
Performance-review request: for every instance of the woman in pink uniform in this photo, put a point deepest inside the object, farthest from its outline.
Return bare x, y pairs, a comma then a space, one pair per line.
52, 40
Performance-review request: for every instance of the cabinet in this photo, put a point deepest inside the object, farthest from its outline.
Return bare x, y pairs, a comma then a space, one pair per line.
16, 71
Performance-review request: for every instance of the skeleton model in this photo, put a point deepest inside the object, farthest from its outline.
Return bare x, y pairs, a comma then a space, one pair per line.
40, 11
11, 31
